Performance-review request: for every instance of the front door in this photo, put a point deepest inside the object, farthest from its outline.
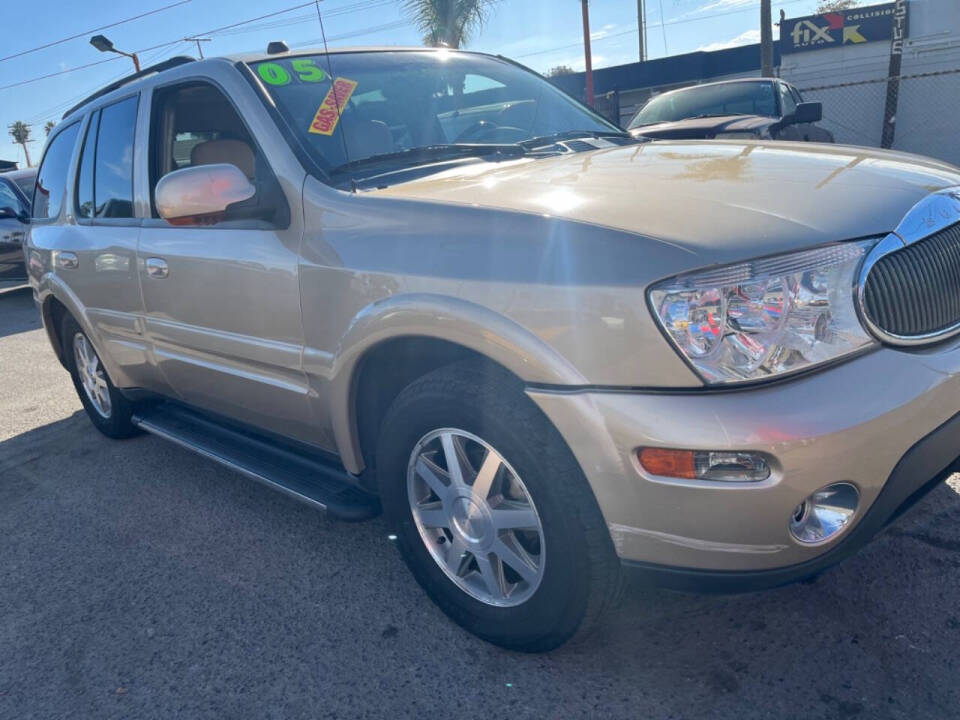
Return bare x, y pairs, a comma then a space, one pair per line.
222, 302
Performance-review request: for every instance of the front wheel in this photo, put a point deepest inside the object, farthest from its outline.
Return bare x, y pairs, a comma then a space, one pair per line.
107, 409
491, 510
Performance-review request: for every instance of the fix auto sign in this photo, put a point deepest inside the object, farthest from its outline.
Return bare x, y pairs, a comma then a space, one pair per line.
844, 27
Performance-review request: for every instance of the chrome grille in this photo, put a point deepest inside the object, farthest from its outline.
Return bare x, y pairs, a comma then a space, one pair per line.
915, 291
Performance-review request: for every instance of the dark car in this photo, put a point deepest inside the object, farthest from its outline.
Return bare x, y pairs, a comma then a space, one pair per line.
734, 109
25, 179
14, 221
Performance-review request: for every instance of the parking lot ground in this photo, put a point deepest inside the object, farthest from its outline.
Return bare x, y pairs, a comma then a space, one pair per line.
140, 581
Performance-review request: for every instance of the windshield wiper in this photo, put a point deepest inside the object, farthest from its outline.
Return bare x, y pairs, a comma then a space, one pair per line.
429, 153
711, 115
573, 135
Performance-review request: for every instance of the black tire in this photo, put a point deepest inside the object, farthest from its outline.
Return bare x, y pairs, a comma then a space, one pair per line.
581, 571
118, 424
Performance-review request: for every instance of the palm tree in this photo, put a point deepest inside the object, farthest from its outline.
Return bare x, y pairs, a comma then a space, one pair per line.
49, 126
20, 132
448, 23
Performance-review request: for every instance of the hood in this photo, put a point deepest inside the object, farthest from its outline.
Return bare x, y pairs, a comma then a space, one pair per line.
705, 127
723, 200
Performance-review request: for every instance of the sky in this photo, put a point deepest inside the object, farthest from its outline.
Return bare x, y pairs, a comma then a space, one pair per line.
538, 33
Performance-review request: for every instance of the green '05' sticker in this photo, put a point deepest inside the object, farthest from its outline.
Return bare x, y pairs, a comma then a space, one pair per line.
305, 70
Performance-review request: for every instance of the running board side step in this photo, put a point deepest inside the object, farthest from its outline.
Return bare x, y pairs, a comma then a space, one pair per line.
302, 475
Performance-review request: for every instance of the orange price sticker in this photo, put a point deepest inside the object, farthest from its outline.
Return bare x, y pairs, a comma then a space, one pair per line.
328, 114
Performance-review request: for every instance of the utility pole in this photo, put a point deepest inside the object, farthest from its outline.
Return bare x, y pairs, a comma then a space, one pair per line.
642, 28
766, 39
586, 52
197, 40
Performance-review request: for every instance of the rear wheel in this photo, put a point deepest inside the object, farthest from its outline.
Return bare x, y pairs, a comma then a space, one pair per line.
107, 409
491, 510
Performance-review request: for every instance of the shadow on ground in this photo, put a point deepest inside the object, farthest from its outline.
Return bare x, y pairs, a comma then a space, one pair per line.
19, 312
141, 581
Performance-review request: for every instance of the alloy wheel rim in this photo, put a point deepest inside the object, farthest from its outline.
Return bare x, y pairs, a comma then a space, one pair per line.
476, 517
92, 375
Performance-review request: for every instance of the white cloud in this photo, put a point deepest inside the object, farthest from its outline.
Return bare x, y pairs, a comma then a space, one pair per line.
725, 5
602, 32
749, 37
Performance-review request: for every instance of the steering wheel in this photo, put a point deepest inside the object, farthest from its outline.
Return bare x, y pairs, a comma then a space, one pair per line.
486, 130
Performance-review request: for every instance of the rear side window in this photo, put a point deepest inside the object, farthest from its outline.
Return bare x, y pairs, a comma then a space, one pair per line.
113, 167
85, 174
52, 179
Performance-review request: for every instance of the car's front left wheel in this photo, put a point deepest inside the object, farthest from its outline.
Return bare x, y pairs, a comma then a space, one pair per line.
491, 511
108, 410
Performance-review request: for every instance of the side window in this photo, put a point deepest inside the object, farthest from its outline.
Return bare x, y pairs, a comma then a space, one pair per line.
9, 198
788, 106
196, 125
52, 178
113, 167
84, 195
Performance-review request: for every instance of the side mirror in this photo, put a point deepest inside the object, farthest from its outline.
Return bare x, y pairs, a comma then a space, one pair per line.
200, 195
807, 112
7, 213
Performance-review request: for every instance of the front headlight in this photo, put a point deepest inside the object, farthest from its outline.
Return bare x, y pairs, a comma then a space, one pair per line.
766, 317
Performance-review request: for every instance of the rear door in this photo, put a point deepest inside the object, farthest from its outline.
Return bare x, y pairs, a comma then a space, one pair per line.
14, 221
222, 301
102, 243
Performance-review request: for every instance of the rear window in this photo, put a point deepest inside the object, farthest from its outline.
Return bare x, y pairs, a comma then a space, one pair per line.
52, 179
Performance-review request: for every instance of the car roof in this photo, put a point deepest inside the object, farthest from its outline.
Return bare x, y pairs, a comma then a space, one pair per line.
735, 81
249, 57
22, 173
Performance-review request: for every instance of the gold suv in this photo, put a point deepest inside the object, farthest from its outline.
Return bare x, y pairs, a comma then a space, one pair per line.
429, 282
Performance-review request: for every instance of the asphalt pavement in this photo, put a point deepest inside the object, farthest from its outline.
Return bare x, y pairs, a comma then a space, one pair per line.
138, 580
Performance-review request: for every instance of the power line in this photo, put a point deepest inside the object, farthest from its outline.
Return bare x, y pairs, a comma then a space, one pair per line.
153, 47
87, 32
650, 25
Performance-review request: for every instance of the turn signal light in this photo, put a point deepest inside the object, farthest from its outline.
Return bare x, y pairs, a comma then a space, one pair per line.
715, 465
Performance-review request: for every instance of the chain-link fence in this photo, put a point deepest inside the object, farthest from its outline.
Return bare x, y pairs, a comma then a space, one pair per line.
925, 119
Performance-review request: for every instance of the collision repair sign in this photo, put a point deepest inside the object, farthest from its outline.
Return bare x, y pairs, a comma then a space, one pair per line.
844, 27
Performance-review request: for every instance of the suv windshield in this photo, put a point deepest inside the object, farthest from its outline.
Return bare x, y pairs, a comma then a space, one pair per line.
742, 98
406, 107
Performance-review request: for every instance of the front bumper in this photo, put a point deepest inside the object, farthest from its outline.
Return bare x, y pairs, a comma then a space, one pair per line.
886, 422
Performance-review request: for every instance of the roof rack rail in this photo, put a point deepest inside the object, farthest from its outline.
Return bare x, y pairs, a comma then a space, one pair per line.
173, 62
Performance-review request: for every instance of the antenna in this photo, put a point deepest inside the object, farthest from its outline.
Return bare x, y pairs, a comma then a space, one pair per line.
333, 88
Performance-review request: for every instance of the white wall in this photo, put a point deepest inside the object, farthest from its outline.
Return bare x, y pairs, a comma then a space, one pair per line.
928, 106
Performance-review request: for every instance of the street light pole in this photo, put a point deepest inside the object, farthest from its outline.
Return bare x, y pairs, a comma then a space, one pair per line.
586, 52
103, 44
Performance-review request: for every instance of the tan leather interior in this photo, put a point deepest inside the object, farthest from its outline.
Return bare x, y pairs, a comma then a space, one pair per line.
233, 152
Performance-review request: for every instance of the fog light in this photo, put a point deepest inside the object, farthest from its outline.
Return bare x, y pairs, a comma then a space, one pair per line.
824, 514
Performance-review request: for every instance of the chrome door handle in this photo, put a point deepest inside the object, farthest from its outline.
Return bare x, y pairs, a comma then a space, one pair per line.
68, 260
157, 267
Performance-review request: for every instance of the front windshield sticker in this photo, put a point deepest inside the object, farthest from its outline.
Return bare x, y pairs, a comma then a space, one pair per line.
328, 114
305, 70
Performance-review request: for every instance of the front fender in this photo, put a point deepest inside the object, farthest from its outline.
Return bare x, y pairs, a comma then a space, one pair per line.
461, 322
